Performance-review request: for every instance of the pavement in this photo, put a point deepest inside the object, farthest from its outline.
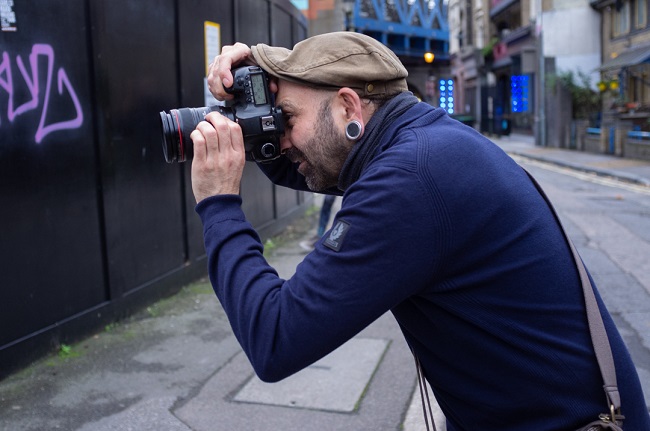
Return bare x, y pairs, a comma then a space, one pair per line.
176, 366
629, 170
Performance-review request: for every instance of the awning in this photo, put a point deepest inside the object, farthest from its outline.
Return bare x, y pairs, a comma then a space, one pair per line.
628, 58
502, 62
498, 6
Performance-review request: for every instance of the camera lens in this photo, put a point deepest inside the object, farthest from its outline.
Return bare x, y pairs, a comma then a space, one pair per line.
169, 137
177, 125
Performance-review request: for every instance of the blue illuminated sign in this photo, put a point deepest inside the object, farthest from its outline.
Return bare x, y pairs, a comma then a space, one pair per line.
519, 93
446, 99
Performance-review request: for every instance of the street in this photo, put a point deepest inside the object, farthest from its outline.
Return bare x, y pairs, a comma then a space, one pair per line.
609, 222
176, 365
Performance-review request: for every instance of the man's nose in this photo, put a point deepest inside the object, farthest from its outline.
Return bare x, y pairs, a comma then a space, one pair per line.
285, 143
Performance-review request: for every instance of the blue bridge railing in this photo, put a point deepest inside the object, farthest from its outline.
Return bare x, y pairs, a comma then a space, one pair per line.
408, 27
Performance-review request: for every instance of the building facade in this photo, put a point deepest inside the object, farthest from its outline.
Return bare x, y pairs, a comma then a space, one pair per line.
509, 59
570, 36
624, 79
494, 58
523, 66
416, 30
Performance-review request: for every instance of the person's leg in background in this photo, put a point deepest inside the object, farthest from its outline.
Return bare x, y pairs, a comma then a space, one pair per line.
323, 220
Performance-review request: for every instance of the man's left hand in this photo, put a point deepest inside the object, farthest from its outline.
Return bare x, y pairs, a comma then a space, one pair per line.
219, 157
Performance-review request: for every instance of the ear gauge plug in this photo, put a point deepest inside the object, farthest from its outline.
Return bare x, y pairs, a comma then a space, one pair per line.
353, 130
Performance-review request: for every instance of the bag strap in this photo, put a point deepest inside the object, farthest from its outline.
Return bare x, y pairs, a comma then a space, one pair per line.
424, 395
599, 337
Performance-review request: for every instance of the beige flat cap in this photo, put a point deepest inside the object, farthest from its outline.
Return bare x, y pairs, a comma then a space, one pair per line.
336, 60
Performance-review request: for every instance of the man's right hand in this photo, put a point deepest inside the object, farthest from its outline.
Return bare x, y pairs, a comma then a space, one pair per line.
220, 75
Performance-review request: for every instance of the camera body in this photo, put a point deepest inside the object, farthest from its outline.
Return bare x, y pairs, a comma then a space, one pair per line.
253, 108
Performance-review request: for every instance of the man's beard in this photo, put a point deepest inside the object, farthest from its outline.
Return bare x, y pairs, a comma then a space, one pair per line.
327, 151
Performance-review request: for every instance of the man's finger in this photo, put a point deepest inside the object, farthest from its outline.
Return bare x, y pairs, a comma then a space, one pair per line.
219, 126
223, 71
236, 137
199, 145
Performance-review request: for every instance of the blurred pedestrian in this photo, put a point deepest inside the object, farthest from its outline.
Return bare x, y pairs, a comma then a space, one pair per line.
323, 220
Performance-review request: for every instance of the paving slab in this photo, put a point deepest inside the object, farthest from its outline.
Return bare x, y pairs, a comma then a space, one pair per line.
336, 382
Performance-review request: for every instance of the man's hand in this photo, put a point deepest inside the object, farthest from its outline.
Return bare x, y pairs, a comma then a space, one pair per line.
220, 75
220, 71
219, 157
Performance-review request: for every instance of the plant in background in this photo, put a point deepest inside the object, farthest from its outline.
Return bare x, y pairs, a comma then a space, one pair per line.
66, 351
486, 51
269, 246
586, 101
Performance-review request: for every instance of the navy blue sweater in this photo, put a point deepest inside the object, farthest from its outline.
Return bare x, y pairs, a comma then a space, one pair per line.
446, 231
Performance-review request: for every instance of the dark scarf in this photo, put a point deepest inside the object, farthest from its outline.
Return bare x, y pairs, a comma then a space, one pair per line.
365, 150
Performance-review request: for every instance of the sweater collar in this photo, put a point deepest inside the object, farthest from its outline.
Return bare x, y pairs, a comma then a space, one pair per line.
366, 148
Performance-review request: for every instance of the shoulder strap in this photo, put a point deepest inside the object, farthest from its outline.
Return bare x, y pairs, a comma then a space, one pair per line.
596, 326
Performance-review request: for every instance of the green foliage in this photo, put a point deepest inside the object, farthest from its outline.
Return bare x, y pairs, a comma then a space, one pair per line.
66, 351
201, 288
153, 310
269, 246
487, 49
312, 210
586, 101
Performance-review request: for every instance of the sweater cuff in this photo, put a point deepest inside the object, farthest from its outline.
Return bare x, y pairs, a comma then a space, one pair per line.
219, 208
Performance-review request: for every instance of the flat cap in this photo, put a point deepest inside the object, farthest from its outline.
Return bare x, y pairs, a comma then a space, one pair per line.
336, 60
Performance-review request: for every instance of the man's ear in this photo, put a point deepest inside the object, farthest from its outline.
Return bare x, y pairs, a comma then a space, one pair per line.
351, 102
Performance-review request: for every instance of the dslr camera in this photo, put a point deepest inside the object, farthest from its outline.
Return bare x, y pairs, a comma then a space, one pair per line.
253, 108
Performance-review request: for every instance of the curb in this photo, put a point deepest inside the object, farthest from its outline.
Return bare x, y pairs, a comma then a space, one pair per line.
622, 176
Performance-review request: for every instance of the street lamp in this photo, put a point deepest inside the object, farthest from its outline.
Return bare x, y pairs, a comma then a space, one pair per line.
348, 10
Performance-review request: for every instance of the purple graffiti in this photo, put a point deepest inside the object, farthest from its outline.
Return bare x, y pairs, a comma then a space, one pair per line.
33, 82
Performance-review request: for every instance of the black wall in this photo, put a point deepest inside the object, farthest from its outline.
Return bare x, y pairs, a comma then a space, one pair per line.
94, 222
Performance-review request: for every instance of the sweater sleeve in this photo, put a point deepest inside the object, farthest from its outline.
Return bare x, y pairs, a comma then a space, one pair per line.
285, 325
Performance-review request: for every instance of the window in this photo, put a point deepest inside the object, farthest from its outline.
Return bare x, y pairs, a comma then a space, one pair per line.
621, 19
638, 84
640, 13
629, 15
480, 41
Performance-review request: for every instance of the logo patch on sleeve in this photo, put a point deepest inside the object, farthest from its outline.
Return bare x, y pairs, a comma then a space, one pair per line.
337, 234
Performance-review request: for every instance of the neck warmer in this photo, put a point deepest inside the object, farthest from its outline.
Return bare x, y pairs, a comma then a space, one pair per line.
365, 150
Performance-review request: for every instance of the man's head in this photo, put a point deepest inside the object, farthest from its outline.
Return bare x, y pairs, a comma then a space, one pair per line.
325, 83
337, 60
312, 137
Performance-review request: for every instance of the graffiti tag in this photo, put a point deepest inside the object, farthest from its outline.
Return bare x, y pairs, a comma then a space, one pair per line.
33, 82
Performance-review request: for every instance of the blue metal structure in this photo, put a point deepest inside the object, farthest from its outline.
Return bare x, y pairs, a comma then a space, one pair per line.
409, 27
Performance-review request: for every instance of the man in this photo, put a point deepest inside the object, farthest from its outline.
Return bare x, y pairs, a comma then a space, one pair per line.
437, 225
